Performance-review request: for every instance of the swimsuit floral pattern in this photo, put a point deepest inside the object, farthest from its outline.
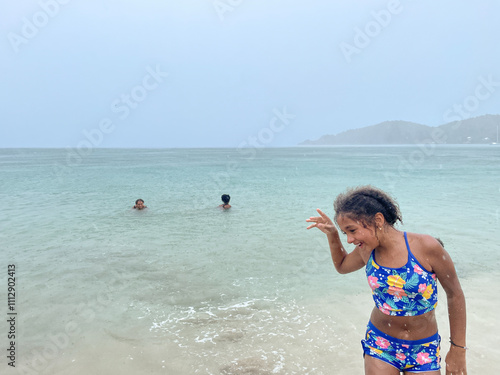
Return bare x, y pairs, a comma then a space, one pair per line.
422, 355
406, 291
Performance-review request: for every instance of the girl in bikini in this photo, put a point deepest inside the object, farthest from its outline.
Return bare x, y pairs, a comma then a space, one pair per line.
402, 270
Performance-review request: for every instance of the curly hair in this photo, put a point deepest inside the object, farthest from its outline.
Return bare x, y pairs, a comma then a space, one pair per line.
364, 202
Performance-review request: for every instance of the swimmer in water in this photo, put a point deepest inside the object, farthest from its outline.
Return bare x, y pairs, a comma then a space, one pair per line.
139, 205
225, 201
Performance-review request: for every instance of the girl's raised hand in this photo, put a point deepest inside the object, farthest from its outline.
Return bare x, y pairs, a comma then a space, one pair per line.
322, 222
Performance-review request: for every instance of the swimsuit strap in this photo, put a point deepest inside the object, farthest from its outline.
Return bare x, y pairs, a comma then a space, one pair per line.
413, 258
410, 254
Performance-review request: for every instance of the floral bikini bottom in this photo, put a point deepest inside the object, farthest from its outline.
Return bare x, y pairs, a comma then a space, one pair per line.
415, 356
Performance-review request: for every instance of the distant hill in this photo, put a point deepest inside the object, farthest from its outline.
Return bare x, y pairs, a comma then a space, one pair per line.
477, 130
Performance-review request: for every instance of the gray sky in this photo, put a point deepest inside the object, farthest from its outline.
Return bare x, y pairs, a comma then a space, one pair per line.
232, 73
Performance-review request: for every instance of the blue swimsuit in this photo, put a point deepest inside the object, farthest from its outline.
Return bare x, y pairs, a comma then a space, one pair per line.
406, 291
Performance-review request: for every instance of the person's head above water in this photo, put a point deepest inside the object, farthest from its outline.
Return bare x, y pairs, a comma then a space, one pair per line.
139, 204
363, 203
225, 198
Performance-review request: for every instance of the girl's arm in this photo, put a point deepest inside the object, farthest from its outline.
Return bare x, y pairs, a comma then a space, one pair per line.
444, 268
343, 261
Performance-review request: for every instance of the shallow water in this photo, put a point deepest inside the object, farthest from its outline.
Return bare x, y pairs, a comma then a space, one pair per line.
185, 288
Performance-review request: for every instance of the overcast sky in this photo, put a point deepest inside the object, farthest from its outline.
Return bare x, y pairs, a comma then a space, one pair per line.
226, 73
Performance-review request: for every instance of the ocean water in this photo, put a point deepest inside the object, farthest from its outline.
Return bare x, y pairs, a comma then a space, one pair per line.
185, 288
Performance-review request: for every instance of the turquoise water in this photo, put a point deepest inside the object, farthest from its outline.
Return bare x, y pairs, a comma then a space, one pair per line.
185, 288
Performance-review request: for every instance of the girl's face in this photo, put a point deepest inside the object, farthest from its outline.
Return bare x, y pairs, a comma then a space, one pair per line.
357, 233
139, 205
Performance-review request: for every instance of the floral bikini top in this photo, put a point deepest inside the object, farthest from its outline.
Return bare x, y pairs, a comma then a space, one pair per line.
406, 291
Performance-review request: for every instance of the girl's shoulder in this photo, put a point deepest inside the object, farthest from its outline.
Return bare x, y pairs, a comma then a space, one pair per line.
425, 248
424, 241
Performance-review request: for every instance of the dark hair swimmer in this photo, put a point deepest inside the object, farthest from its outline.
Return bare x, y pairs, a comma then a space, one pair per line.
139, 205
225, 200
